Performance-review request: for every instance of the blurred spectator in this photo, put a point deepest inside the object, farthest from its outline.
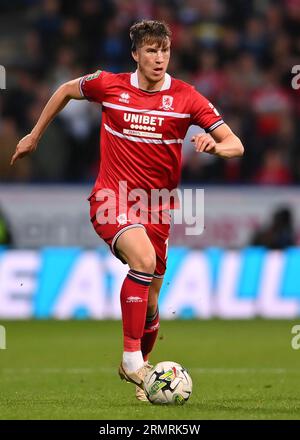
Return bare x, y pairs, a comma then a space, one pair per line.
186, 50
5, 232
48, 25
270, 103
254, 38
273, 170
8, 140
113, 49
279, 233
210, 80
50, 160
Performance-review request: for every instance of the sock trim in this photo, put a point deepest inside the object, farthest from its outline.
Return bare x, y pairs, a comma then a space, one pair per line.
136, 276
141, 273
139, 281
155, 275
131, 344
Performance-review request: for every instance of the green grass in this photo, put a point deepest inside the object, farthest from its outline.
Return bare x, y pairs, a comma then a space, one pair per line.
67, 370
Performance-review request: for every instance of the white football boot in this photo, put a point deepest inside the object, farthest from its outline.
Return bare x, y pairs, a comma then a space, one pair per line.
139, 392
136, 377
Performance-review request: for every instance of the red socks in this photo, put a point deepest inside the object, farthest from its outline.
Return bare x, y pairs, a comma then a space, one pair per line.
139, 332
150, 334
134, 299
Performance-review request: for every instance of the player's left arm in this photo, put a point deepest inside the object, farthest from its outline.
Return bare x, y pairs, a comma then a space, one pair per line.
221, 142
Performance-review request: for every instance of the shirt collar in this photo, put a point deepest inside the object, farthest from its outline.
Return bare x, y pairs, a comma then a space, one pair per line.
135, 82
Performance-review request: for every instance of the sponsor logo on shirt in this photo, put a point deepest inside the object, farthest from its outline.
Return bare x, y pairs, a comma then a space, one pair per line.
167, 102
143, 119
93, 75
143, 125
143, 134
124, 97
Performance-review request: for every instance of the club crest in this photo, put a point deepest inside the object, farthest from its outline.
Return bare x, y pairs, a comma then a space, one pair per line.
167, 102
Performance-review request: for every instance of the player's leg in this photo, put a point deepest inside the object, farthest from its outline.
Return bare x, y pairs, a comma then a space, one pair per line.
130, 243
150, 330
152, 319
159, 235
135, 247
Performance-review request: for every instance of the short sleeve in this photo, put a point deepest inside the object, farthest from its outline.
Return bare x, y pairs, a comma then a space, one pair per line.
203, 113
92, 86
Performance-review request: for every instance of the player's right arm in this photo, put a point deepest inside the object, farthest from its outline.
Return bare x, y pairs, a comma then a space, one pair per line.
66, 92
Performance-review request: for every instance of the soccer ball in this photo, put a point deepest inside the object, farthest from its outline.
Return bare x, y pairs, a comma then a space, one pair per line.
168, 383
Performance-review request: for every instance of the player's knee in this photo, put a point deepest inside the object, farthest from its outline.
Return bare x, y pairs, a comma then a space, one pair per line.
145, 263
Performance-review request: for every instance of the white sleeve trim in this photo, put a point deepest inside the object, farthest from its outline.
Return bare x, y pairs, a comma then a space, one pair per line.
215, 125
80, 87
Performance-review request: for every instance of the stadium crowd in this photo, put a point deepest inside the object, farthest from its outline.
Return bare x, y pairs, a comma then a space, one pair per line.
237, 53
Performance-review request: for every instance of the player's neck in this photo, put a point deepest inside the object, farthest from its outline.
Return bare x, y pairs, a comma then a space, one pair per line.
149, 86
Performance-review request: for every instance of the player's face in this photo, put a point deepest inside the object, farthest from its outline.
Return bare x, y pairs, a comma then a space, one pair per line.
153, 60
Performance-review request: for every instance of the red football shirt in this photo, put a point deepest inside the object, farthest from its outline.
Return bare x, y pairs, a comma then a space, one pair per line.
142, 132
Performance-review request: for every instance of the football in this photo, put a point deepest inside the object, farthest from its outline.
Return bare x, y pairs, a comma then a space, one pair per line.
168, 383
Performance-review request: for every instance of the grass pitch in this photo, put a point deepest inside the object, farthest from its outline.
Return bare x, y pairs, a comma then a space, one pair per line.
68, 370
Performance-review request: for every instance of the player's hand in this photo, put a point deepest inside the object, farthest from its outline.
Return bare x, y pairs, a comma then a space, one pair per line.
26, 145
204, 142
